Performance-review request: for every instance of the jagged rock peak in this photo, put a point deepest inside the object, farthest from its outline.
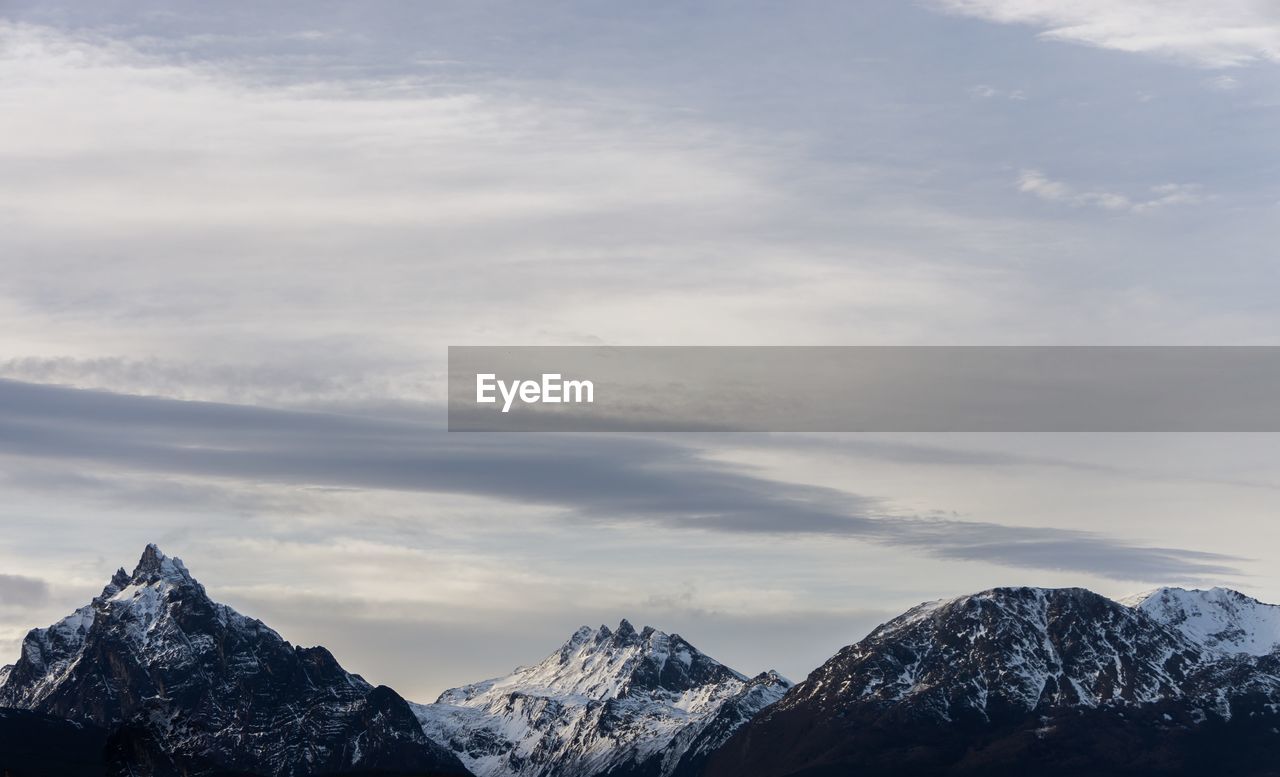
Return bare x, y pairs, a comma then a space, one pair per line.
769, 677
117, 584
609, 701
604, 637
155, 565
155, 649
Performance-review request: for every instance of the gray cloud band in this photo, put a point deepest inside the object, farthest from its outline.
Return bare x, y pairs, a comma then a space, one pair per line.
865, 389
648, 481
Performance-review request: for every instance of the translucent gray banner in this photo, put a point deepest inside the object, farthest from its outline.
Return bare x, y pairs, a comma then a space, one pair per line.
864, 389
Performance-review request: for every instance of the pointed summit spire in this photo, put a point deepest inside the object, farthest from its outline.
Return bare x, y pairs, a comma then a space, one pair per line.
152, 555
626, 633
118, 581
155, 565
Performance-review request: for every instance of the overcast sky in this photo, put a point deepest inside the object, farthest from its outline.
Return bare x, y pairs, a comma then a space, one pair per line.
235, 241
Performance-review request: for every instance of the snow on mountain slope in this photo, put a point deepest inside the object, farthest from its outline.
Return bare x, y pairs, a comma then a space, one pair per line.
1219, 620
1033, 681
617, 702
203, 688
1008, 649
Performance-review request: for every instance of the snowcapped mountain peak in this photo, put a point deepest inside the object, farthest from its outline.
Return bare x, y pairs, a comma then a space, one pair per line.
134, 600
605, 663
153, 649
1025, 605
1220, 621
625, 634
155, 566
1027, 680
608, 701
1005, 651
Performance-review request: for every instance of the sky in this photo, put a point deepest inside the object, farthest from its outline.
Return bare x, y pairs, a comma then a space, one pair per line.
236, 242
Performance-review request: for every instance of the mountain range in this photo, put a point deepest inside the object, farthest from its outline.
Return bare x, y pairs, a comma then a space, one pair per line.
152, 677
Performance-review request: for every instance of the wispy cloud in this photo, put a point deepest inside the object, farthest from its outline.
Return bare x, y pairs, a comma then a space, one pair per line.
1208, 33
653, 482
1224, 83
1038, 184
988, 92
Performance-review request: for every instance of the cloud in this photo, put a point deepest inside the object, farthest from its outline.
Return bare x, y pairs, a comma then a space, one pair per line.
977, 458
304, 231
986, 92
587, 478
392, 153
22, 591
1036, 183
1206, 33
342, 216
350, 375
